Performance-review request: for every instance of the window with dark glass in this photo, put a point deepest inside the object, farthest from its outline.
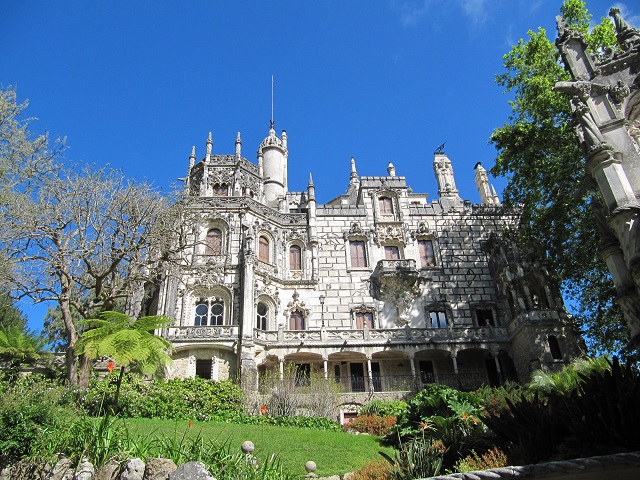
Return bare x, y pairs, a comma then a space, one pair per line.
364, 318
554, 346
385, 205
220, 190
209, 312
263, 249
391, 252
358, 253
261, 316
295, 257
213, 244
427, 256
296, 321
437, 319
203, 368
485, 317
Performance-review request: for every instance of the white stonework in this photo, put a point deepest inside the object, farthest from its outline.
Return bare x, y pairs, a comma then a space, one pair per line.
378, 290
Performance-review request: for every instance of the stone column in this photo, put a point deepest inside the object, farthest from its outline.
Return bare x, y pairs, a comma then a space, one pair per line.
412, 364
326, 371
370, 375
281, 364
497, 362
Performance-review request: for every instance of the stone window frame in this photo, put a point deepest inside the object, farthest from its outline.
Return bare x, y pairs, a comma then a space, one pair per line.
396, 244
553, 342
296, 274
395, 215
303, 319
271, 312
271, 242
365, 309
357, 234
438, 307
210, 295
213, 224
485, 306
209, 246
434, 243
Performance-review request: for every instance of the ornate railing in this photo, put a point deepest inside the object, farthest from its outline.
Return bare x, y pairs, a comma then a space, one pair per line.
385, 335
206, 333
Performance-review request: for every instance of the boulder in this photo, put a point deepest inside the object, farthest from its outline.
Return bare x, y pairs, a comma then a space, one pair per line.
84, 470
191, 471
159, 469
109, 471
132, 469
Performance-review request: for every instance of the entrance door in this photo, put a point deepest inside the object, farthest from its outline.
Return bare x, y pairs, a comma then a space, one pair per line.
377, 379
492, 372
357, 377
426, 372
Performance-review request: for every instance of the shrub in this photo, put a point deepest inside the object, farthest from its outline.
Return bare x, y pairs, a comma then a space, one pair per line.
494, 458
317, 423
384, 408
373, 424
191, 398
421, 457
378, 469
494, 399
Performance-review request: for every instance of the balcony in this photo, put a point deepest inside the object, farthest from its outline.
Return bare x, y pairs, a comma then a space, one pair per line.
394, 282
202, 334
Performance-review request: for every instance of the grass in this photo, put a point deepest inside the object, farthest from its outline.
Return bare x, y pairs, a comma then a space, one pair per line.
334, 452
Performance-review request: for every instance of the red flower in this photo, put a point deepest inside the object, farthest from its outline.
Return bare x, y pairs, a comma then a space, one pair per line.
190, 423
263, 409
110, 366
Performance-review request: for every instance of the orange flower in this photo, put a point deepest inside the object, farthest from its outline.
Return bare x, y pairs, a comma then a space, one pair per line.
190, 423
263, 409
110, 366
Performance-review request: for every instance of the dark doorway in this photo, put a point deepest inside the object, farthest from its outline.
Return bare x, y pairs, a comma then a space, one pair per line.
375, 377
357, 377
203, 369
492, 372
426, 371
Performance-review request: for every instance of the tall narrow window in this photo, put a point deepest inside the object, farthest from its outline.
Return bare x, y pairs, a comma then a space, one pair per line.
554, 346
295, 258
263, 249
427, 257
213, 244
262, 317
217, 313
358, 253
209, 312
364, 318
437, 319
391, 252
296, 321
202, 313
485, 317
385, 205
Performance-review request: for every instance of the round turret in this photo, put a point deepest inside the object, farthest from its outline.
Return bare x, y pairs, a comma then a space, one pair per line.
274, 163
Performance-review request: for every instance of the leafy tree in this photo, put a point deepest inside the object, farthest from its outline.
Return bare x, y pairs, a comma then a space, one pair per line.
539, 154
20, 346
130, 343
10, 315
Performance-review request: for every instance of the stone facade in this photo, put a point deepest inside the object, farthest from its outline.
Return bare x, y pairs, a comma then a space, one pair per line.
606, 99
377, 290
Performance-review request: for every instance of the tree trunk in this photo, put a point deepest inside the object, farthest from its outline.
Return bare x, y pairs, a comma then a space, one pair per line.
84, 371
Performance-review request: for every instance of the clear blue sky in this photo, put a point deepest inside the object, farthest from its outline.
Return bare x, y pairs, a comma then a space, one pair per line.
134, 84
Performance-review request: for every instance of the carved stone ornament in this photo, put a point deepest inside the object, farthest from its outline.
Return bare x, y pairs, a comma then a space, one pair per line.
296, 234
421, 231
618, 92
395, 282
390, 233
210, 274
634, 133
267, 289
296, 305
356, 231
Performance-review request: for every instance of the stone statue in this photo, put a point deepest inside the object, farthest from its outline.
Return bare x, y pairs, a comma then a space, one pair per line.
627, 36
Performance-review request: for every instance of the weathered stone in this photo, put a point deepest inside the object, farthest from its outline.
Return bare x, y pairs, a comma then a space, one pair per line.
84, 470
132, 469
159, 468
62, 470
191, 471
348, 476
109, 471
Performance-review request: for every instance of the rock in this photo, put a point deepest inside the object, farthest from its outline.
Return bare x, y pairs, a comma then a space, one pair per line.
348, 476
62, 470
332, 477
109, 471
84, 470
159, 469
132, 469
191, 471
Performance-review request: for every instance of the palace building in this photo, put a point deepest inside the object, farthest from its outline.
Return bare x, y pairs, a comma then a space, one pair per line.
379, 290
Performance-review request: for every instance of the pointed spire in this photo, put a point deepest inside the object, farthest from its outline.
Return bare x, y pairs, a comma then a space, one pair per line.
192, 157
311, 188
209, 144
310, 180
353, 178
284, 138
238, 147
391, 170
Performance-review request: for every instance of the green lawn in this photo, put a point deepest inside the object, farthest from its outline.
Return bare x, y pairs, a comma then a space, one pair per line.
333, 452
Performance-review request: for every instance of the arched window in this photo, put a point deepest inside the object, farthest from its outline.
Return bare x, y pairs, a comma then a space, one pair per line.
295, 257
209, 311
262, 317
427, 255
220, 190
213, 243
263, 249
385, 204
296, 321
554, 346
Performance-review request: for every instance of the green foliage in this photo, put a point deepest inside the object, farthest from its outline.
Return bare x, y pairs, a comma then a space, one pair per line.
34, 414
20, 346
494, 458
538, 152
10, 315
384, 407
373, 424
569, 378
494, 399
190, 398
599, 417
418, 458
